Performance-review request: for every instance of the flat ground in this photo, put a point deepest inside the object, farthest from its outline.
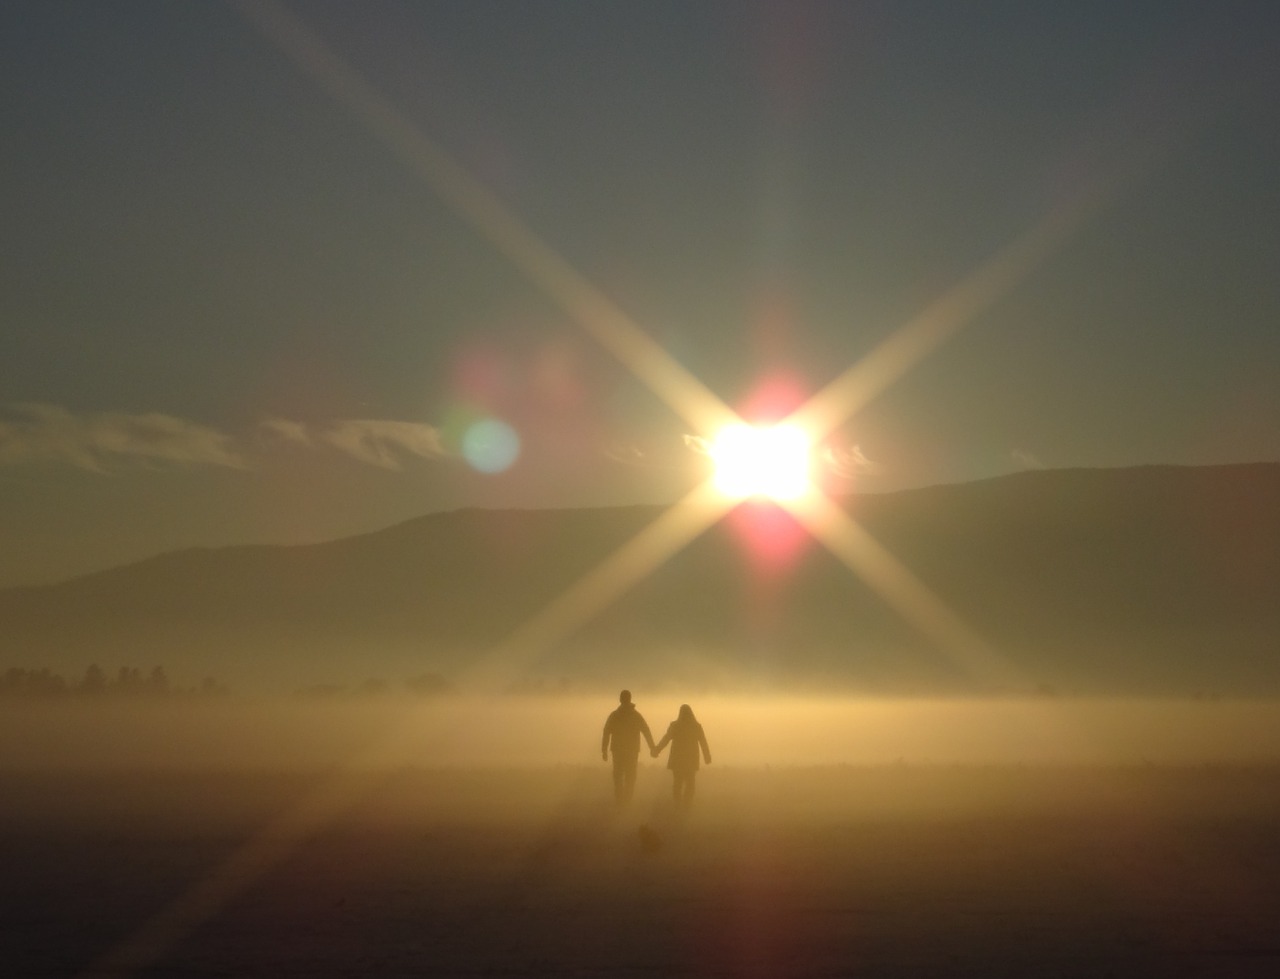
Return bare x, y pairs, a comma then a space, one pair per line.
875, 871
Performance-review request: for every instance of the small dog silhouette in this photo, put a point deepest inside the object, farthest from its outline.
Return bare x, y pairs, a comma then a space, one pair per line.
650, 842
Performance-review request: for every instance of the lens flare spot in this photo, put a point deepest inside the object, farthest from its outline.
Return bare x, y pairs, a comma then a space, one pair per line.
490, 445
773, 398
774, 539
764, 462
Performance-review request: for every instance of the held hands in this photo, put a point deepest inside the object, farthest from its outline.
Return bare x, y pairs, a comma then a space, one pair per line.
653, 752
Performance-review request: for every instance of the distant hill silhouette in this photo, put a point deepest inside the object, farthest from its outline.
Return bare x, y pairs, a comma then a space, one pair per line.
1151, 579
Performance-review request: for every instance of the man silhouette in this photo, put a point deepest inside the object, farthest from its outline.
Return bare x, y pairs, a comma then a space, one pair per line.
622, 733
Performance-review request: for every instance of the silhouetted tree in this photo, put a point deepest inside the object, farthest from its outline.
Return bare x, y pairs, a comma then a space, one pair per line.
128, 680
209, 687
40, 684
94, 682
428, 684
322, 691
44, 684
158, 681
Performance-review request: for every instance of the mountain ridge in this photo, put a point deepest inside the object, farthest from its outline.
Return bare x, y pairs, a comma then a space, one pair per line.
1152, 578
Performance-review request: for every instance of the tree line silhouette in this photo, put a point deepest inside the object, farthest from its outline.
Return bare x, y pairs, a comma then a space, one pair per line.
44, 684
422, 685
17, 683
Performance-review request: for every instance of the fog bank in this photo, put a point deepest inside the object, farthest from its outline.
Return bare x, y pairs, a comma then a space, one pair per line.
288, 733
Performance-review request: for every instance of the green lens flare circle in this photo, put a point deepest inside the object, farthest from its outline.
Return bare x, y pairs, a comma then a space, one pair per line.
490, 446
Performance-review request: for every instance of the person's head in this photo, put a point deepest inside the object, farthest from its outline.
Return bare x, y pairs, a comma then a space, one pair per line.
686, 715
624, 698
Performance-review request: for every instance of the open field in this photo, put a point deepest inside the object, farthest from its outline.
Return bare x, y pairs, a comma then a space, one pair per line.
884, 870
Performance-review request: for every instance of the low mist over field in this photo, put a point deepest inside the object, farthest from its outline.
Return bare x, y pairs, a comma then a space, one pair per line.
265, 734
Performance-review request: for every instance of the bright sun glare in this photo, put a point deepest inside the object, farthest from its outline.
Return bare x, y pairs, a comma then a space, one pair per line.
767, 462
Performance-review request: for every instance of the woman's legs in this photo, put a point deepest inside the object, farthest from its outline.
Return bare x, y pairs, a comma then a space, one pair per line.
682, 787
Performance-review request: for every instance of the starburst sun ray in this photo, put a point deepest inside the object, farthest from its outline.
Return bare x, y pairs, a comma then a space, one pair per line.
902, 590
676, 527
491, 219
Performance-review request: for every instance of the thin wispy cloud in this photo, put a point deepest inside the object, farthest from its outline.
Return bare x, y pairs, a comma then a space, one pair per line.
651, 454
1025, 460
384, 443
284, 430
110, 441
849, 462
698, 444
626, 453
101, 442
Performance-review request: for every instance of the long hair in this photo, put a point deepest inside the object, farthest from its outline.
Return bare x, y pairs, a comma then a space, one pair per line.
686, 718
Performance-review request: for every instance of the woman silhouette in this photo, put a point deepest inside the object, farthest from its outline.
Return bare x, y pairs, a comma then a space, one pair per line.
685, 736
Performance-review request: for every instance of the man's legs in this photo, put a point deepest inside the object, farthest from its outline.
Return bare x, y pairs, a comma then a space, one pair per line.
624, 776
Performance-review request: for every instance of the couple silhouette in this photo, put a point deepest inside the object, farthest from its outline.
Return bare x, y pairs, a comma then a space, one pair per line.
622, 733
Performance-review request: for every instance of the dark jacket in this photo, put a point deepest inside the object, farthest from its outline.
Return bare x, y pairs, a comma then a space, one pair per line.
685, 738
623, 729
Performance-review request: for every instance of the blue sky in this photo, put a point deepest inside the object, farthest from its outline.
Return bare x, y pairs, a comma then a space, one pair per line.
230, 312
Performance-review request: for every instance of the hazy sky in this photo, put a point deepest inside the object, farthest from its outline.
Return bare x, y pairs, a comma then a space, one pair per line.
230, 311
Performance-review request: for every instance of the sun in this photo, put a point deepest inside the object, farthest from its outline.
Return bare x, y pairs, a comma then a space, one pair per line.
769, 462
